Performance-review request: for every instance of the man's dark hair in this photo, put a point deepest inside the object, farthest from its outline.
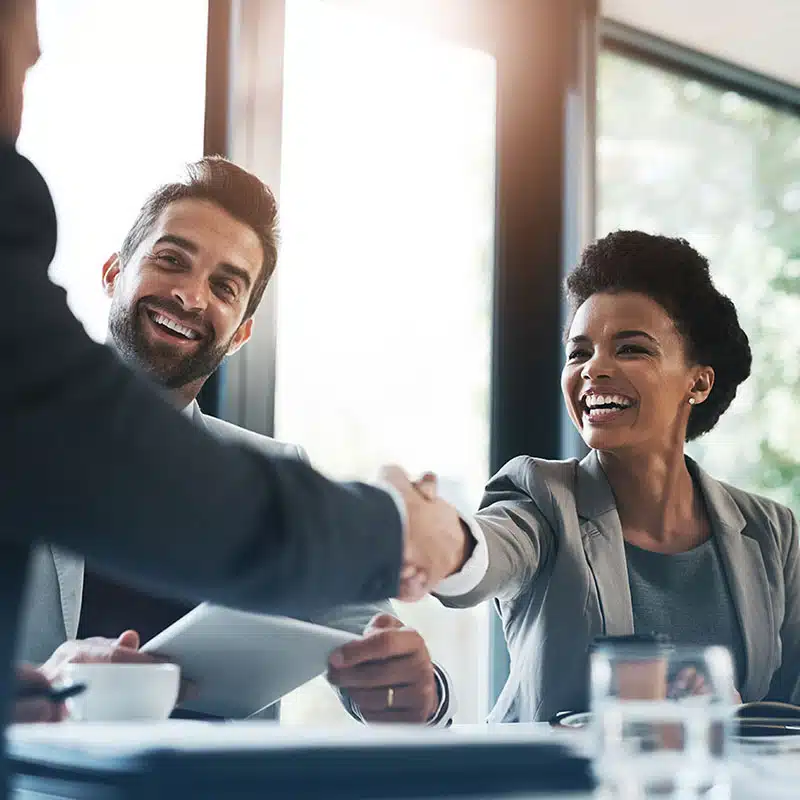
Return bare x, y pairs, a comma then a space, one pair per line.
673, 274
233, 189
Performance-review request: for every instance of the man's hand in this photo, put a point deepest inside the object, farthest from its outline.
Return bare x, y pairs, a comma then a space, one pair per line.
388, 674
38, 709
437, 543
97, 650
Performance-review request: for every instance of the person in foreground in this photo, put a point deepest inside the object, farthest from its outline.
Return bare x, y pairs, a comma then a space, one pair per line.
184, 288
86, 441
636, 537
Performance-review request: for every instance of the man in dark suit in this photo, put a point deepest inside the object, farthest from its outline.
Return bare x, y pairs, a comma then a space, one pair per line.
85, 441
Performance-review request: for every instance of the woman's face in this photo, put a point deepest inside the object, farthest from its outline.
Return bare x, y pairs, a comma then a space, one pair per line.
626, 380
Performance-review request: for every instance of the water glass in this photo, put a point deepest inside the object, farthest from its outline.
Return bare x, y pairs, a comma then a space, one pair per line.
661, 719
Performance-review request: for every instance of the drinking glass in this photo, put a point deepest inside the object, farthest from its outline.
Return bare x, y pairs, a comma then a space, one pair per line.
661, 719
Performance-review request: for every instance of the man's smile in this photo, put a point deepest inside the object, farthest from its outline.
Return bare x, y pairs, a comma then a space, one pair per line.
166, 326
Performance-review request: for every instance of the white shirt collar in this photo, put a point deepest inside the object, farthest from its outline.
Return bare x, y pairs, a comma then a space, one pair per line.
189, 411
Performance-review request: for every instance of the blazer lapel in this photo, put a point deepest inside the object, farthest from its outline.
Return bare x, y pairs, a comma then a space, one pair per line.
601, 533
69, 569
747, 579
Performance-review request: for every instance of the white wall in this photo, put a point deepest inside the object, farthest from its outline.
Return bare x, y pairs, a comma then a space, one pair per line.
762, 35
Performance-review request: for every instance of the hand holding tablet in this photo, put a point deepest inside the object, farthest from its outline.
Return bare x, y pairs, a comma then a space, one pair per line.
240, 662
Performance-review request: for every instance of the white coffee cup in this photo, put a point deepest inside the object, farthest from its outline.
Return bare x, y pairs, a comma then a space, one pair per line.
122, 692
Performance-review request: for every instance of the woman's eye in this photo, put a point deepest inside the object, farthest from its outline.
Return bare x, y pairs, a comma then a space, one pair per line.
576, 355
627, 349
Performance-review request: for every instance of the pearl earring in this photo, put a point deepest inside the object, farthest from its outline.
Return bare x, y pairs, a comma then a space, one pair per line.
692, 401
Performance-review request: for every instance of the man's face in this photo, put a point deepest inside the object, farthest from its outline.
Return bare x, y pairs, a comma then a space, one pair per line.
178, 306
19, 51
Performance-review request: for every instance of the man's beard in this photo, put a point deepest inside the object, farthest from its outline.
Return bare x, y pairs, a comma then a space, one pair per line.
162, 362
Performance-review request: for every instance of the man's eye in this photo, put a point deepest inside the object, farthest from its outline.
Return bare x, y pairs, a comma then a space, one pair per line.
228, 289
168, 258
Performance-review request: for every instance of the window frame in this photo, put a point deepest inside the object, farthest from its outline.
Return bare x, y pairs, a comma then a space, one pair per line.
675, 58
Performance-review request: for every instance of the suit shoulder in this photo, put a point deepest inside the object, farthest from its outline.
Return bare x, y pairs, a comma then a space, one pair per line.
761, 511
525, 478
228, 432
28, 215
527, 471
19, 174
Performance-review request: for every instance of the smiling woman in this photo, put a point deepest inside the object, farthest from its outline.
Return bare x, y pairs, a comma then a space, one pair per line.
637, 538
624, 351
689, 332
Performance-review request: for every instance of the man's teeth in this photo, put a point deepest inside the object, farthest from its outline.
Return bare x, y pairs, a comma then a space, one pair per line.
174, 326
600, 402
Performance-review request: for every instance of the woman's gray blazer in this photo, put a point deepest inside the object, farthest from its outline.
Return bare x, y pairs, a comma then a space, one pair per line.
558, 574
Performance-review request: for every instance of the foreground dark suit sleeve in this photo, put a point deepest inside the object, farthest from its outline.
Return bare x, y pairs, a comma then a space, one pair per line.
95, 461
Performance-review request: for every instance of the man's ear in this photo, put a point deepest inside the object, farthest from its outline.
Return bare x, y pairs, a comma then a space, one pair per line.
241, 337
110, 274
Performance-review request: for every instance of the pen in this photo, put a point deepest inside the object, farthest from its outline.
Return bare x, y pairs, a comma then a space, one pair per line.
48, 693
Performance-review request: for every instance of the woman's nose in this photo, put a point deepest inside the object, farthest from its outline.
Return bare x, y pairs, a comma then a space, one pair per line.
598, 366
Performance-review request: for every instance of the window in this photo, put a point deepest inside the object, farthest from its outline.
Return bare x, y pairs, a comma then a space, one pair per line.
385, 278
681, 157
114, 108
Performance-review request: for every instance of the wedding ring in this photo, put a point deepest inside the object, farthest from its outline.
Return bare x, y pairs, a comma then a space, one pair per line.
389, 697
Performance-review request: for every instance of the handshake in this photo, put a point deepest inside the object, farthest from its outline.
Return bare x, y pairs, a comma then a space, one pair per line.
437, 542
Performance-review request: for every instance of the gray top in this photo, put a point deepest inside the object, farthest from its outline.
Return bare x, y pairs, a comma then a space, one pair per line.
686, 596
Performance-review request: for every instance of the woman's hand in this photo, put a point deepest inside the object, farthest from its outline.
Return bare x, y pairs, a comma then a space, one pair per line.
691, 682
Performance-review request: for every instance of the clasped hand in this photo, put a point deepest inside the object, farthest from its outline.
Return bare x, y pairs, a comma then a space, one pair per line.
437, 543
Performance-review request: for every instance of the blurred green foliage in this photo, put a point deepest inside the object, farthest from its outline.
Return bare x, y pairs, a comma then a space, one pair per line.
684, 158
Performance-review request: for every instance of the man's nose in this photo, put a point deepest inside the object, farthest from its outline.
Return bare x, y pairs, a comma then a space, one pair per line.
192, 295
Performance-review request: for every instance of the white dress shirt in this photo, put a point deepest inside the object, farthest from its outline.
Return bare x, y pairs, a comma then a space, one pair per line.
473, 571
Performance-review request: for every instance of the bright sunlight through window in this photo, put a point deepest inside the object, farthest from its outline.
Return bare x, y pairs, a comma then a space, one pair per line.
114, 109
384, 280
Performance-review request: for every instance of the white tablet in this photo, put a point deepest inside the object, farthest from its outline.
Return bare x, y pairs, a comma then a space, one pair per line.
241, 662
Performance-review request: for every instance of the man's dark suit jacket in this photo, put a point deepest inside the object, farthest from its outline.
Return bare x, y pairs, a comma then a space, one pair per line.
86, 443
